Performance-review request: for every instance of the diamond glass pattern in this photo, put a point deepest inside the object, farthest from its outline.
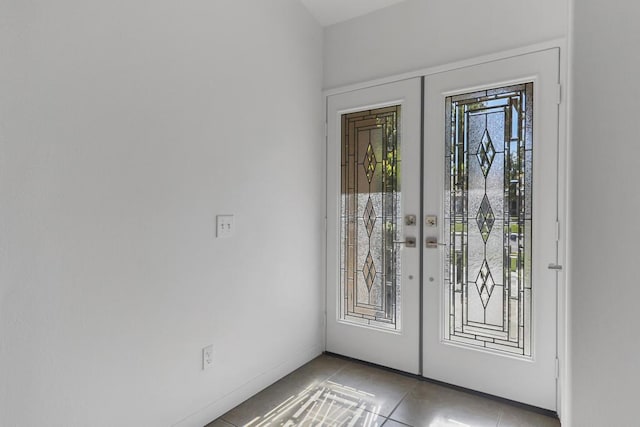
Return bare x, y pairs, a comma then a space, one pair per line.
484, 283
369, 217
369, 271
370, 163
486, 153
488, 167
370, 285
485, 218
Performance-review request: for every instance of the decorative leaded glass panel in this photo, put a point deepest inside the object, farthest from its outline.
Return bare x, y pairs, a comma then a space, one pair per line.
370, 212
488, 218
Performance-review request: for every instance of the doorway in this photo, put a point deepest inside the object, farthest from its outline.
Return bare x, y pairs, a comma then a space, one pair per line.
442, 219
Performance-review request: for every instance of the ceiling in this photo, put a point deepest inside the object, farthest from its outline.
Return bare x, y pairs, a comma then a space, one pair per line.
329, 12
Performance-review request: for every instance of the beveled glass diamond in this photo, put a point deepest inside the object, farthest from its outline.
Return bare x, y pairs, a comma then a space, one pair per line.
485, 218
369, 271
369, 217
486, 153
485, 283
370, 163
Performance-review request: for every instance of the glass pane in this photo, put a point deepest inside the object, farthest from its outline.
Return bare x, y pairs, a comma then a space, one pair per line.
370, 220
488, 185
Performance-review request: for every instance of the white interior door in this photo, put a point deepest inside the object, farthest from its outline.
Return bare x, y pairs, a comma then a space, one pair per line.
373, 186
490, 177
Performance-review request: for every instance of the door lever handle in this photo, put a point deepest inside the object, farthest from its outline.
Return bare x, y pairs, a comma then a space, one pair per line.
553, 266
432, 242
409, 242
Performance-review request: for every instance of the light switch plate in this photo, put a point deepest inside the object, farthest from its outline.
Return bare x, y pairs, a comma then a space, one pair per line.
224, 226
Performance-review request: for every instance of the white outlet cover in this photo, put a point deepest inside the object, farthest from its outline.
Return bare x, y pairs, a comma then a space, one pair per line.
207, 357
224, 226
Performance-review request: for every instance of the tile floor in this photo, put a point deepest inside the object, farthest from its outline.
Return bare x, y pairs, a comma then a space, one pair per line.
331, 391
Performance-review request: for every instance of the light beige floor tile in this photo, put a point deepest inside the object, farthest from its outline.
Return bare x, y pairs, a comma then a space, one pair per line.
219, 423
327, 404
392, 423
430, 404
519, 417
263, 402
331, 391
385, 389
316, 371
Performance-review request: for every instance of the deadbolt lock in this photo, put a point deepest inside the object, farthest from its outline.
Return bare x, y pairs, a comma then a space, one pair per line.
410, 220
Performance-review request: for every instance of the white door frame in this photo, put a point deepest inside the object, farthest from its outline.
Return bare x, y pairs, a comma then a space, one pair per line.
563, 345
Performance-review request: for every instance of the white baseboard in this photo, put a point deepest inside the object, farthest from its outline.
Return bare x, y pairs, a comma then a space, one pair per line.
239, 395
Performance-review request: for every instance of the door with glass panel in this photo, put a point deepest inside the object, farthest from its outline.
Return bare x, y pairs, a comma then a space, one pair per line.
373, 203
491, 181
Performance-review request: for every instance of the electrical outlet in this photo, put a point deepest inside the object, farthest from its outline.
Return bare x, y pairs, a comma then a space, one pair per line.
207, 357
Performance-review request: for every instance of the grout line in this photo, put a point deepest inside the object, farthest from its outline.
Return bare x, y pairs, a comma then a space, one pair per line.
228, 422
399, 403
222, 419
396, 421
340, 369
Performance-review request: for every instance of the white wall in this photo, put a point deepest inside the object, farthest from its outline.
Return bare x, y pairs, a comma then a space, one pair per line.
423, 33
125, 127
605, 202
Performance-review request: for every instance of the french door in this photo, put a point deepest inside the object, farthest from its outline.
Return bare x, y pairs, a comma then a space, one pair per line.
490, 177
478, 199
373, 255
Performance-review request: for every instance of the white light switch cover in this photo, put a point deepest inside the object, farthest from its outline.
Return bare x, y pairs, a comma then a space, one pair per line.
224, 226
